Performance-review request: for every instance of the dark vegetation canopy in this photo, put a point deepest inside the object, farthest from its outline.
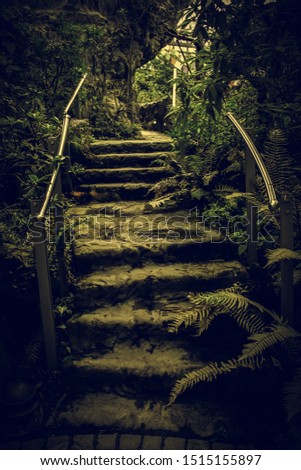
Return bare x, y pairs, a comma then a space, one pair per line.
247, 61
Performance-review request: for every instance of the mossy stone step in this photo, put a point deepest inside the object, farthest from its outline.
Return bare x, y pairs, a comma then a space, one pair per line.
91, 254
120, 160
116, 191
122, 282
130, 146
124, 322
147, 365
121, 175
94, 208
109, 411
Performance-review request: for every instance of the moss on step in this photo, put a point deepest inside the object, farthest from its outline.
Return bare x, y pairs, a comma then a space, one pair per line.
120, 160
110, 411
119, 283
121, 175
130, 146
116, 191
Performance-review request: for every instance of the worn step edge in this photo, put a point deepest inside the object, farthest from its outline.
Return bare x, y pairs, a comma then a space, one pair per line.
148, 367
125, 320
130, 146
126, 174
122, 282
89, 255
115, 412
116, 191
119, 160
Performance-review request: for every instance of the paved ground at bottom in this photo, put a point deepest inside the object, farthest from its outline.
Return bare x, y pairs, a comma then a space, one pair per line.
116, 441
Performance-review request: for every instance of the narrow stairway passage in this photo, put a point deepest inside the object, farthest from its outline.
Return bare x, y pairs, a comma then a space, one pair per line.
134, 269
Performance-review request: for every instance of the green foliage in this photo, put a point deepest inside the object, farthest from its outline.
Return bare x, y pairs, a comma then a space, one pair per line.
208, 305
266, 332
259, 42
208, 373
153, 80
292, 396
259, 342
281, 254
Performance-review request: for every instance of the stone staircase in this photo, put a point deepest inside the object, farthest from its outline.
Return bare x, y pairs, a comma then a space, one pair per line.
134, 268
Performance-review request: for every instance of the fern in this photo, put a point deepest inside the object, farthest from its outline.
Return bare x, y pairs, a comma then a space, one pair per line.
266, 329
292, 396
250, 197
203, 324
208, 177
281, 254
205, 374
225, 189
186, 318
278, 160
230, 301
210, 372
259, 342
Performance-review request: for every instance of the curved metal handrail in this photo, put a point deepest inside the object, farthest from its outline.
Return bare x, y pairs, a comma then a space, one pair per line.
273, 201
63, 138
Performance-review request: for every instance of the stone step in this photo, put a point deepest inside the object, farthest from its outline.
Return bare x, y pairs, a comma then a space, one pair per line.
112, 412
116, 191
141, 367
121, 175
119, 283
91, 254
120, 160
129, 321
134, 321
94, 208
130, 146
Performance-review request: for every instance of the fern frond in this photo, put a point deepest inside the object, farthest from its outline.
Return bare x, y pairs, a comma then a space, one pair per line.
232, 302
278, 160
208, 177
160, 201
259, 342
205, 374
252, 323
292, 396
233, 167
224, 189
184, 318
203, 324
250, 197
281, 254
210, 372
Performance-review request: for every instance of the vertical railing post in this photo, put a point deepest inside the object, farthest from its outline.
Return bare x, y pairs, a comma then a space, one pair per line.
59, 225
39, 238
68, 168
287, 268
252, 232
59, 236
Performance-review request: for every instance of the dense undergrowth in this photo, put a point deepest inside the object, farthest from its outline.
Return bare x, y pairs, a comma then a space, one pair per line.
248, 61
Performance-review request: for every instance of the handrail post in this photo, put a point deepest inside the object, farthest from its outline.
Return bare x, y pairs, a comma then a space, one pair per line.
252, 232
53, 145
59, 235
39, 238
68, 169
287, 268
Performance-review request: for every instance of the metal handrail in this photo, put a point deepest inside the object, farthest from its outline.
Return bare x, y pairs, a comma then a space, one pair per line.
63, 139
273, 201
38, 212
253, 158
